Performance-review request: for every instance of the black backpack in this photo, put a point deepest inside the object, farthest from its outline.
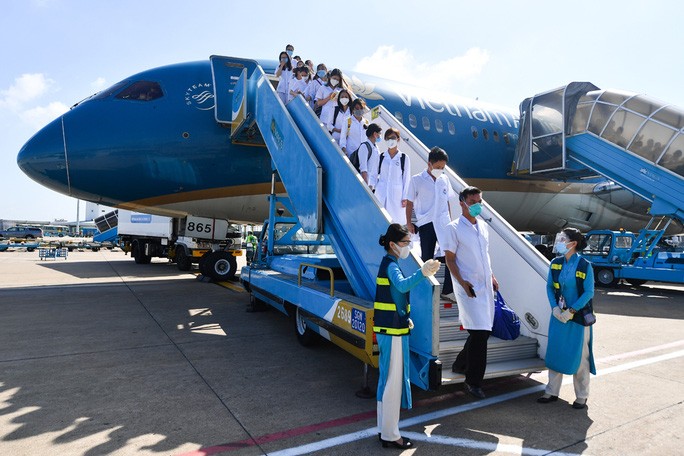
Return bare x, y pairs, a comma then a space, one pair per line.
354, 157
402, 158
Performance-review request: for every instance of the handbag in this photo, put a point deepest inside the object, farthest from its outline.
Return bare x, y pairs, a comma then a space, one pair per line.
506, 323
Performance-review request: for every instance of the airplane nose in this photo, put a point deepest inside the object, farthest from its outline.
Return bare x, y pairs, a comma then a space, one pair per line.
44, 158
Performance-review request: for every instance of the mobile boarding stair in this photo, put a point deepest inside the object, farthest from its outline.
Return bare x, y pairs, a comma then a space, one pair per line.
635, 141
328, 204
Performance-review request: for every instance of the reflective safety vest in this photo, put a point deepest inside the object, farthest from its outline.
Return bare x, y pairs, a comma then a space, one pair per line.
580, 277
386, 319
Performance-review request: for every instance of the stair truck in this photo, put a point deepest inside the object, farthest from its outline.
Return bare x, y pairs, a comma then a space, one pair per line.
318, 253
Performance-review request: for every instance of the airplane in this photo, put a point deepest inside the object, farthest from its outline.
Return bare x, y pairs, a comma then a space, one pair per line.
151, 143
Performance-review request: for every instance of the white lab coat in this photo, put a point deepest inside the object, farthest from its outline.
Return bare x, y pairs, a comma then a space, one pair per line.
352, 137
296, 85
283, 88
329, 107
391, 186
470, 244
311, 90
340, 123
441, 216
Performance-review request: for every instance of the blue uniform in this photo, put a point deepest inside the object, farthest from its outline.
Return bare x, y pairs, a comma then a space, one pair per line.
399, 288
564, 350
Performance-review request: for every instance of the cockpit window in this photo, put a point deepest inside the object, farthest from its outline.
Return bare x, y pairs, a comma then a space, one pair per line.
141, 91
107, 92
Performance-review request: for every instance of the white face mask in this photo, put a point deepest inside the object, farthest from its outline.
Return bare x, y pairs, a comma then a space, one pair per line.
334, 82
392, 143
344, 101
403, 251
437, 172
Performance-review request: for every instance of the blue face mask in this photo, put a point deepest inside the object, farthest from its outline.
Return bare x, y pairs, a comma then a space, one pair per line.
378, 139
289, 53
321, 73
561, 248
475, 209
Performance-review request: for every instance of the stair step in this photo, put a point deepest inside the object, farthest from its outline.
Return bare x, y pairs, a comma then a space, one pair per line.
450, 329
497, 350
497, 369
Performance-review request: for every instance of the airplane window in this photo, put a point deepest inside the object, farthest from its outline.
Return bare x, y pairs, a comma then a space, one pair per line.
141, 91
507, 139
107, 92
495, 135
439, 126
426, 123
452, 128
485, 134
399, 117
474, 132
413, 121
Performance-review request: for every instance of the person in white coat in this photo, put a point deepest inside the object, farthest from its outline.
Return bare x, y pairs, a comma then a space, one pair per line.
326, 97
284, 72
467, 257
391, 182
319, 80
340, 117
355, 133
429, 193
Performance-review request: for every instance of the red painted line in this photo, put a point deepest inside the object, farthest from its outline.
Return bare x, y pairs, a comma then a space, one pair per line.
280, 435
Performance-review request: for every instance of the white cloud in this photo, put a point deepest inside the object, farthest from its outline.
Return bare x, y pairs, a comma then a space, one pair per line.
98, 84
402, 65
26, 87
41, 115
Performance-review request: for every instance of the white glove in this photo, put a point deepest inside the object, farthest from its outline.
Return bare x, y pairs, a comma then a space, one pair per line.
410, 324
558, 313
430, 268
567, 315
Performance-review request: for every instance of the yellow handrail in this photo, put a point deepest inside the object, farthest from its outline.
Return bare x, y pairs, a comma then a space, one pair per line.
315, 266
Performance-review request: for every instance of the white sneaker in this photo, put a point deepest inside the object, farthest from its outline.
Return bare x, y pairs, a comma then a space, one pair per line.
450, 296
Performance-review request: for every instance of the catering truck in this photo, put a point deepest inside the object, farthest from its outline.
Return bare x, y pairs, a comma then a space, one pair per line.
213, 244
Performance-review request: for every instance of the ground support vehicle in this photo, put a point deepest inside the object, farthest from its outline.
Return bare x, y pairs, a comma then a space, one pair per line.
329, 206
21, 232
617, 255
211, 243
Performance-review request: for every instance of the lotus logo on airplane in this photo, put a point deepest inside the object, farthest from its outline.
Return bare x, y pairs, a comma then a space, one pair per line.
201, 96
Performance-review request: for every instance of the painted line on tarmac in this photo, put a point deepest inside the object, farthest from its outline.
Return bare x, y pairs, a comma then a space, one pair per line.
281, 435
641, 352
420, 419
499, 448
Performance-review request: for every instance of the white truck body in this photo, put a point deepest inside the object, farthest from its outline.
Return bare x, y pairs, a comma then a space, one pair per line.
139, 224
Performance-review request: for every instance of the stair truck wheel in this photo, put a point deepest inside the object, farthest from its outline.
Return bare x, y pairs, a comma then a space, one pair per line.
221, 266
183, 261
606, 277
305, 335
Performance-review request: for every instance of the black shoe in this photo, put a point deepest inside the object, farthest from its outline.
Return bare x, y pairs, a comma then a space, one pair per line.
579, 405
407, 443
546, 400
475, 391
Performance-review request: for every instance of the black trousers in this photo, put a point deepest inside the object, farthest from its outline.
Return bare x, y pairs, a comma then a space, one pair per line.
428, 241
473, 358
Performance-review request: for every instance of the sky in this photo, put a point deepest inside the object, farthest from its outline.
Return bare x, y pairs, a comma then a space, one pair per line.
56, 52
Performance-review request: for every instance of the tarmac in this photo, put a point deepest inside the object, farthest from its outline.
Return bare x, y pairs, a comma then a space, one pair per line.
99, 356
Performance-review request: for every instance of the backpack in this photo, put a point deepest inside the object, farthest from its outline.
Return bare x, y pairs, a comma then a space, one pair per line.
506, 322
354, 157
402, 159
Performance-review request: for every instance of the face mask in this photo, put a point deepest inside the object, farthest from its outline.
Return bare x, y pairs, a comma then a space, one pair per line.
403, 251
283, 60
561, 247
378, 139
289, 53
321, 73
334, 82
358, 112
344, 101
392, 143
436, 172
475, 209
